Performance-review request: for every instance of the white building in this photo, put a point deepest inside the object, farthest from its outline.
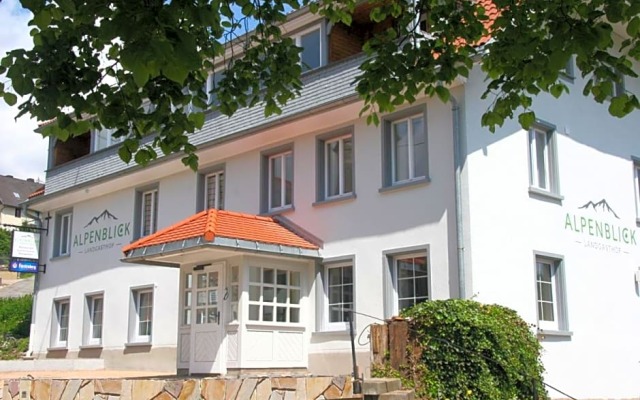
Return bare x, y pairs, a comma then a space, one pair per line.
427, 206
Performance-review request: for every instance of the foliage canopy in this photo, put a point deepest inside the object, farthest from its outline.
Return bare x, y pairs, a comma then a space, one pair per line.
473, 351
138, 66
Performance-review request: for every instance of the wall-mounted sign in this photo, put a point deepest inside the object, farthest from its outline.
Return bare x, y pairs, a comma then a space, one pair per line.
102, 232
23, 266
25, 245
600, 228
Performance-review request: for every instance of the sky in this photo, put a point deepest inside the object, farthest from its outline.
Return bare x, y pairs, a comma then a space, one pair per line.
23, 153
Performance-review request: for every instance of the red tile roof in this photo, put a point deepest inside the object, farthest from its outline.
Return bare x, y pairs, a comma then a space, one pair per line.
219, 223
37, 193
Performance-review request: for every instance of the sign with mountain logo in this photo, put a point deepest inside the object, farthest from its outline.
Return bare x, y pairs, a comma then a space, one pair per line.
599, 227
102, 232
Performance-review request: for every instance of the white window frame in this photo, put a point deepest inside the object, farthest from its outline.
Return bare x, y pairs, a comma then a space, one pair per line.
134, 315
289, 305
340, 325
283, 181
218, 201
90, 319
390, 150
65, 222
110, 140
547, 134
153, 221
558, 293
60, 322
397, 280
297, 38
341, 163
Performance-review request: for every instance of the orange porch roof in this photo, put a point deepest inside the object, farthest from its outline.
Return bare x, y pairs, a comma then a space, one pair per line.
212, 224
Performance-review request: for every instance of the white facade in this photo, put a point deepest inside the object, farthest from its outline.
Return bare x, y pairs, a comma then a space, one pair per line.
380, 229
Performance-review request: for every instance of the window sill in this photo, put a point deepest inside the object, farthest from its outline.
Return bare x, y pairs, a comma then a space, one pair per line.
90, 346
638, 221
283, 326
548, 333
56, 258
545, 195
57, 348
405, 185
329, 332
278, 211
138, 344
335, 199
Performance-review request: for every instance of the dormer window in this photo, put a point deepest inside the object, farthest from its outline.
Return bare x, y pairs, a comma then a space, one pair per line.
311, 56
104, 138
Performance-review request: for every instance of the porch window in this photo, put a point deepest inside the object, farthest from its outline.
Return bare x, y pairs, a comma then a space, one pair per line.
274, 295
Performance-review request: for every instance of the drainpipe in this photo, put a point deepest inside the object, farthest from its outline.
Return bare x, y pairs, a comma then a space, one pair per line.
36, 278
457, 159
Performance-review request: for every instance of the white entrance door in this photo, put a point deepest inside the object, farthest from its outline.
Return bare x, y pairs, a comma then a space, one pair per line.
206, 328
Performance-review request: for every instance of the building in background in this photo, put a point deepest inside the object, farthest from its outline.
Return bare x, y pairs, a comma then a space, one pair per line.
251, 262
13, 192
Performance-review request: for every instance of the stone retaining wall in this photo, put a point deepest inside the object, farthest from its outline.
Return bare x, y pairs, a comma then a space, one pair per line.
251, 388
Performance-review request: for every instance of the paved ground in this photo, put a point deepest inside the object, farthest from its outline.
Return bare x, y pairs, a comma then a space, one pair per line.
100, 374
16, 288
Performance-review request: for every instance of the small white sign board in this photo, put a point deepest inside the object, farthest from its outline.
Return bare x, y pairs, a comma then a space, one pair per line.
25, 245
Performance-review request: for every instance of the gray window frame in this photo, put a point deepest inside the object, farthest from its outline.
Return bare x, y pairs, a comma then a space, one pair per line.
138, 215
134, 316
57, 237
390, 282
560, 286
265, 156
387, 147
56, 326
321, 167
201, 184
553, 190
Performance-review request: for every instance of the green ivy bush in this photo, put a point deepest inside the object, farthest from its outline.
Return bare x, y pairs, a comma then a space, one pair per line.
15, 316
469, 350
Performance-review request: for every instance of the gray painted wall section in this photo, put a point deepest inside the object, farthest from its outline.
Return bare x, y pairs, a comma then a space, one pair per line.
321, 88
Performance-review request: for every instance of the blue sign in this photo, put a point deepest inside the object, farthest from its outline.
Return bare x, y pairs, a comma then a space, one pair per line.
23, 266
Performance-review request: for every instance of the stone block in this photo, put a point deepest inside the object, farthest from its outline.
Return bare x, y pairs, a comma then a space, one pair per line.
301, 389
173, 388
332, 392
276, 395
316, 386
247, 388
284, 383
145, 389
164, 396
263, 390
127, 387
24, 389
86, 391
108, 386
398, 395
5, 392
14, 387
57, 388
377, 386
347, 390
40, 389
100, 396
71, 389
232, 386
213, 389
289, 395
190, 390
339, 381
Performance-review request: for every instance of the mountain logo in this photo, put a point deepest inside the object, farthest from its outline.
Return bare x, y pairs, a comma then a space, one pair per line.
103, 216
602, 205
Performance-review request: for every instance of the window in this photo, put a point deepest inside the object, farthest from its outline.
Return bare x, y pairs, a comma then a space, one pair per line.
187, 299
234, 283
550, 299
148, 212
274, 295
214, 190
568, 71
339, 284
405, 150
93, 322
104, 138
62, 239
412, 279
141, 315
18, 213
312, 48
280, 181
542, 159
336, 167
60, 324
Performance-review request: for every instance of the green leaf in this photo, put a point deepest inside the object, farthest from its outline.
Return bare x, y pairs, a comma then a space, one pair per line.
124, 153
10, 98
527, 119
42, 18
618, 106
443, 93
175, 72
197, 118
140, 74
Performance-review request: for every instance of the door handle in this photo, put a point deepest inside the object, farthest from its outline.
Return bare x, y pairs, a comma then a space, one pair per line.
218, 317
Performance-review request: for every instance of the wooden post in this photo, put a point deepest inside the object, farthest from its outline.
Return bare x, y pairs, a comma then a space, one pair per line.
379, 343
398, 341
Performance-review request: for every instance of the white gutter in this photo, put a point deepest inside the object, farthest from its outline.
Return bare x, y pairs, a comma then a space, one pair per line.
458, 161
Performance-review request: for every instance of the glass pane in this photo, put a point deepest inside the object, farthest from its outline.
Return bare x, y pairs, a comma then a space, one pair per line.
405, 288
281, 314
254, 293
420, 266
333, 168
221, 191
335, 314
96, 332
186, 317
335, 294
347, 151
400, 151
254, 312
234, 312
347, 293
294, 296
281, 296
545, 292
405, 268
213, 297
212, 315
187, 299
211, 190
294, 315
188, 281
202, 281
267, 294
347, 275
275, 170
235, 271
335, 276
200, 316
419, 148
541, 149
405, 303
234, 293
281, 278
547, 311
544, 272
213, 279
254, 274
267, 313
267, 276
422, 287
201, 298
310, 55
288, 189
295, 279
